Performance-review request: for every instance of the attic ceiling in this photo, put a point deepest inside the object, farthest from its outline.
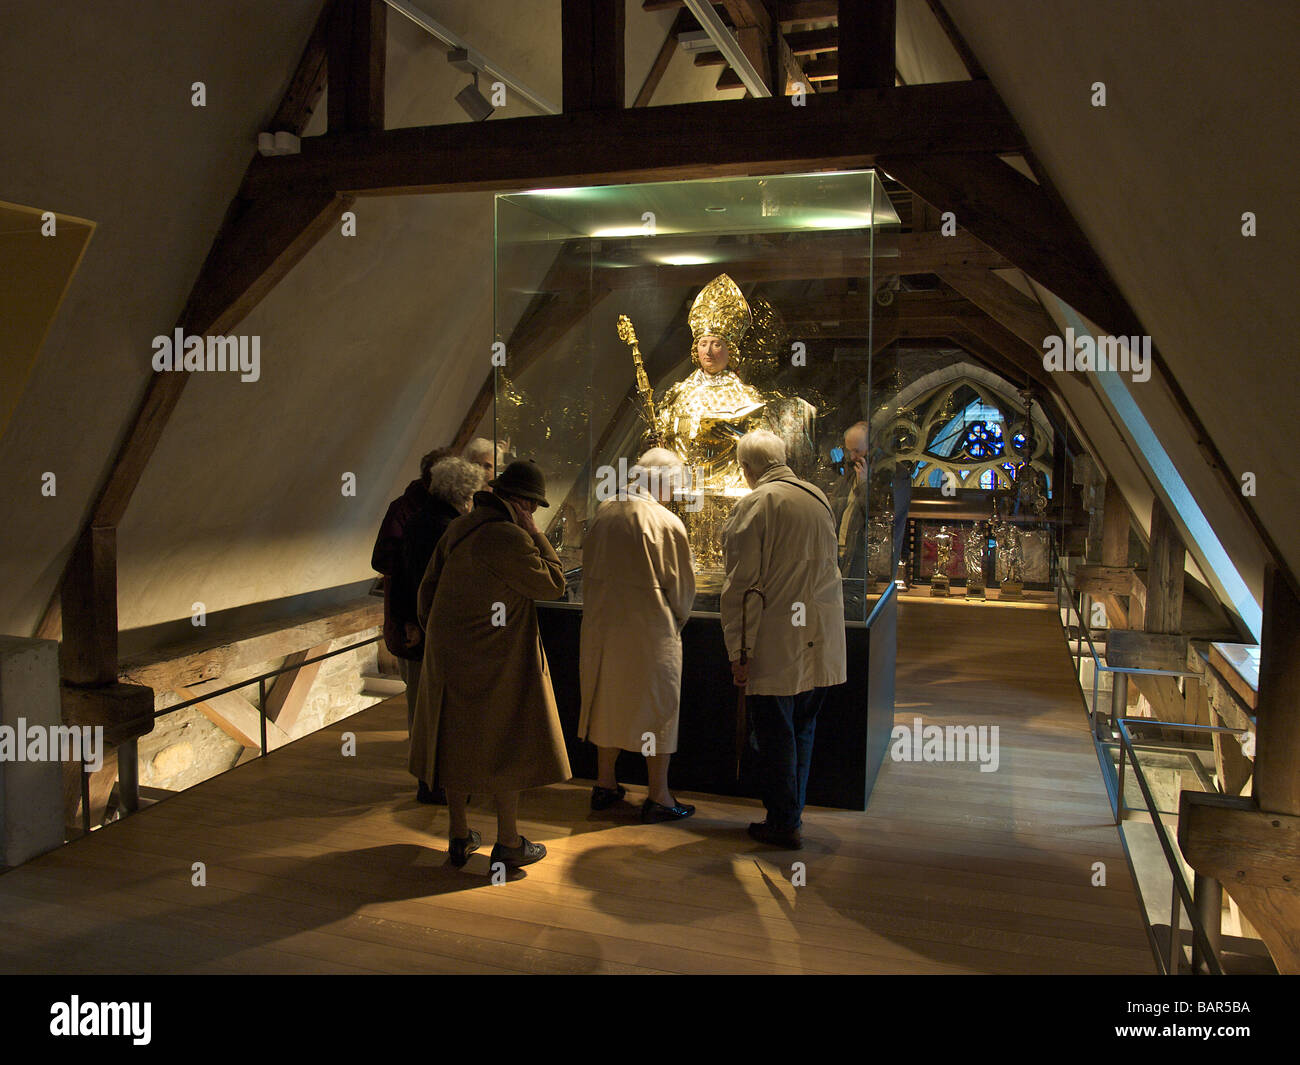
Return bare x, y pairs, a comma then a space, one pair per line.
375, 346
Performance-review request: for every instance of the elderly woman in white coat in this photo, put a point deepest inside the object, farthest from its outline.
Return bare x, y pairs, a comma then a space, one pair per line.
638, 585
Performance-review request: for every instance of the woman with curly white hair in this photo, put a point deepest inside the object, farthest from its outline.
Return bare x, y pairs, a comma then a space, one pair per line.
451, 482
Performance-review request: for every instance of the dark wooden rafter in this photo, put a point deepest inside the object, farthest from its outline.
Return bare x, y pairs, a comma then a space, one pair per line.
1012, 214
592, 55
811, 73
792, 11
867, 29
1004, 303
958, 42
308, 82
88, 653
357, 58
810, 42
651, 143
753, 25
793, 68
1277, 757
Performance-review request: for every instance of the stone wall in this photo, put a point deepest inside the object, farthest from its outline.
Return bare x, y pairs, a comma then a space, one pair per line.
186, 748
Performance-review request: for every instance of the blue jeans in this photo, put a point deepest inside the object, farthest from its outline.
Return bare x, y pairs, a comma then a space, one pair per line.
781, 729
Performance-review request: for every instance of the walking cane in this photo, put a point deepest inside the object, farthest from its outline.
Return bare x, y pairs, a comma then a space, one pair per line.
741, 723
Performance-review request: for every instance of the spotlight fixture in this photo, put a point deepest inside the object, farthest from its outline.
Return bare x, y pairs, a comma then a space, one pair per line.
472, 102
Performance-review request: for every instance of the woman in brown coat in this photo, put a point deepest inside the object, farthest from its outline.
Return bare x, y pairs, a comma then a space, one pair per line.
485, 716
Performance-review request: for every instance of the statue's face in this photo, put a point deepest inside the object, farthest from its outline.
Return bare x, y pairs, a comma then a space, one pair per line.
712, 353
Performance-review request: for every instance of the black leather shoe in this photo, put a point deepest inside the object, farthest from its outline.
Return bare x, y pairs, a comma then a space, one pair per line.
430, 796
460, 849
514, 857
604, 798
653, 812
788, 840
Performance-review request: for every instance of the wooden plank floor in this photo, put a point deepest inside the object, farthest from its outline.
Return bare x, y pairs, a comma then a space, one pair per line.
320, 863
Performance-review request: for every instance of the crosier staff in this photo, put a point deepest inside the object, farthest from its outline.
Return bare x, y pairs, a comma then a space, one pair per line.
741, 722
643, 390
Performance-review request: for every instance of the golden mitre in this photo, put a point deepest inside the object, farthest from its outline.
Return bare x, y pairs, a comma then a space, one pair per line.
720, 310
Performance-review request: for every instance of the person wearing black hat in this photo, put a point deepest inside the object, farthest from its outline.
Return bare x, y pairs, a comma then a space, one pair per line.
486, 718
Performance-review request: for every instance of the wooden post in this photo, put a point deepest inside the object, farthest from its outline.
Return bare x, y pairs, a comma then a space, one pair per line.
754, 34
592, 55
1277, 737
866, 52
1114, 526
1164, 574
88, 654
357, 58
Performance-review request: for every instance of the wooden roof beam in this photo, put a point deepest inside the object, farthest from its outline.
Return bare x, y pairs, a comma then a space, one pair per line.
592, 55
357, 43
1015, 216
852, 129
867, 30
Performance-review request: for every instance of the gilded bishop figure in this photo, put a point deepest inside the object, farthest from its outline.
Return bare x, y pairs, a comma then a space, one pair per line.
701, 418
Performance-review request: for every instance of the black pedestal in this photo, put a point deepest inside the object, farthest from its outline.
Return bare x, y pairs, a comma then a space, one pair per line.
852, 729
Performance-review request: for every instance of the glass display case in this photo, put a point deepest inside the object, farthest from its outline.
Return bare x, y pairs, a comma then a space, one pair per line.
601, 296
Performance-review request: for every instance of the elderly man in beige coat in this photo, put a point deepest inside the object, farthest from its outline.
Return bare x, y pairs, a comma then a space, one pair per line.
638, 586
485, 716
781, 542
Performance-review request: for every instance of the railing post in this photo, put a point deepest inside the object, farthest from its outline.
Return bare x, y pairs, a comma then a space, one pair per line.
1119, 782
1174, 962
261, 710
1118, 696
128, 776
1207, 893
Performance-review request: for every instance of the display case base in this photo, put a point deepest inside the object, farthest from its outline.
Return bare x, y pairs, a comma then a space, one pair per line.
853, 727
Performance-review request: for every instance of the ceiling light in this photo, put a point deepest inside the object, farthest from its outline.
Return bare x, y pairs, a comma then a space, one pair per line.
473, 103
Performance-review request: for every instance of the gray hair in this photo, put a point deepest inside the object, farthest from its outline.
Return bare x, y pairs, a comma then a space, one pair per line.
480, 449
657, 467
862, 427
759, 450
455, 481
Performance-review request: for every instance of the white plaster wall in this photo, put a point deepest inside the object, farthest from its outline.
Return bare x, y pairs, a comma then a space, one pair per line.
98, 123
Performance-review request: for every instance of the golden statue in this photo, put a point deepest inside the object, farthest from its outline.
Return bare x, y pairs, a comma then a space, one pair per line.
701, 418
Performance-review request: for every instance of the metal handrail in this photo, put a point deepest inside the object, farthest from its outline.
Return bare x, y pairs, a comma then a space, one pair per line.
892, 590
1181, 892
1203, 949
260, 680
